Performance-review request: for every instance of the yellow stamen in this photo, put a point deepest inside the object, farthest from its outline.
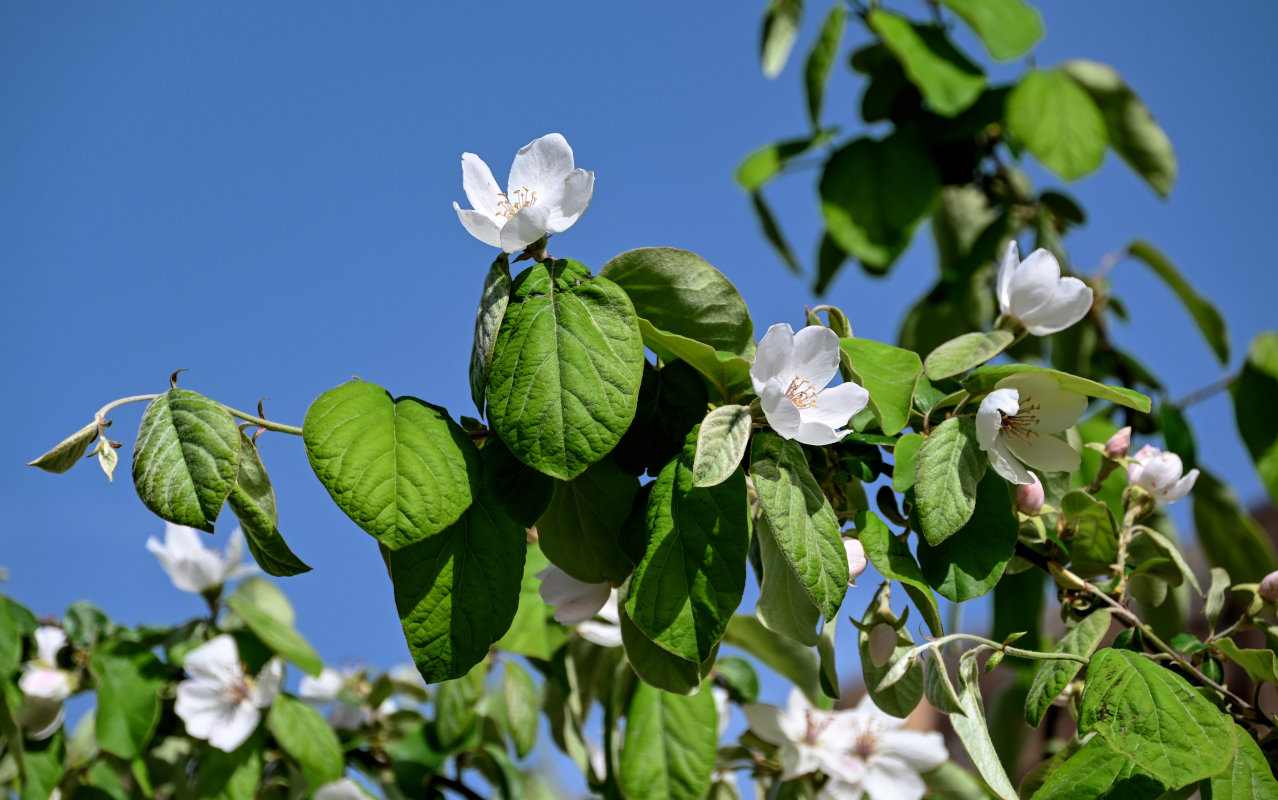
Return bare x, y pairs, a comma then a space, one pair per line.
802, 393
523, 196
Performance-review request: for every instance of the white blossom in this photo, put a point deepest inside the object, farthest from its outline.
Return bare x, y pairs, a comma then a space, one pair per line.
578, 603
220, 703
193, 567
343, 789
885, 760
1161, 474
348, 689
545, 194
1015, 421
44, 686
1034, 292
790, 373
809, 740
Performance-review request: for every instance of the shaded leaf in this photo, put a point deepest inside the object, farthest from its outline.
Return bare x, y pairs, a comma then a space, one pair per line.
893, 560
1053, 676
786, 657
252, 500
973, 731
1229, 535
947, 79
580, 530
1253, 408
816, 72
970, 562
492, 307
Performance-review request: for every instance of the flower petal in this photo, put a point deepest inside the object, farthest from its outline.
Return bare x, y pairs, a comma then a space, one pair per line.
816, 355
1042, 396
344, 789
836, 405
601, 633
892, 779
234, 554
46, 684
202, 706
477, 224
49, 641
765, 721
216, 661
578, 188
989, 416
527, 226
234, 729
920, 751
773, 356
782, 414
818, 434
1181, 488
1070, 303
268, 684
1044, 453
323, 689
541, 165
574, 601
1007, 465
481, 188
1011, 259
1034, 283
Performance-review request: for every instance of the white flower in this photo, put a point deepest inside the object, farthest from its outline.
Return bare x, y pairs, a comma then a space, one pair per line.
44, 686
1160, 474
193, 567
544, 194
1034, 292
578, 603
349, 689
344, 789
889, 759
790, 373
810, 740
220, 703
1014, 421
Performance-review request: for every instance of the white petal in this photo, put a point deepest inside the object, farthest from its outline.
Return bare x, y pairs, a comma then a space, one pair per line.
796, 760
818, 434
1007, 465
578, 188
230, 732
766, 722
1042, 397
1137, 464
892, 779
541, 165
481, 189
816, 355
46, 684
836, 789
344, 789
234, 554
216, 661
1034, 282
268, 683
603, 634
609, 610
773, 357
1070, 303
527, 226
1044, 453
989, 415
920, 751
574, 601
477, 224
202, 706
782, 414
323, 689
1011, 259
49, 641
1181, 488
181, 541
836, 405
347, 717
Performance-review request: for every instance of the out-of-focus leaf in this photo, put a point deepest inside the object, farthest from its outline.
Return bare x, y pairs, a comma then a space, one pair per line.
1254, 395
773, 233
780, 29
1228, 534
816, 72
948, 80
1058, 122
1007, 27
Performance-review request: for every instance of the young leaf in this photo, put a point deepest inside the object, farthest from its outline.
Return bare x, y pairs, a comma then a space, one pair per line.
893, 560
784, 606
780, 29
1058, 122
129, 678
400, 468
973, 731
1253, 408
1053, 676
937, 686
969, 563
67, 452
186, 458
721, 444
1261, 665
1248, 776
307, 738
816, 72
252, 500
1007, 27
967, 351
786, 657
492, 308
521, 707
269, 615
1209, 321
579, 532
947, 79
984, 378
1216, 595
946, 473
889, 374
670, 745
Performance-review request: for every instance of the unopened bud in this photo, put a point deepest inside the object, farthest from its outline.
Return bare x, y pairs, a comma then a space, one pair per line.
1029, 496
882, 643
1118, 444
1269, 587
856, 559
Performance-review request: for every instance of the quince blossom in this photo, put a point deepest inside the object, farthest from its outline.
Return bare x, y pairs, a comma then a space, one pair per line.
810, 740
220, 703
343, 789
1014, 423
578, 603
1160, 474
544, 195
885, 760
1030, 496
44, 686
342, 687
790, 373
1033, 292
193, 567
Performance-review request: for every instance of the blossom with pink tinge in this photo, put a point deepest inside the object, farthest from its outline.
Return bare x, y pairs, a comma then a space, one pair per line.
1119, 443
1033, 292
857, 562
1269, 587
1029, 496
1161, 474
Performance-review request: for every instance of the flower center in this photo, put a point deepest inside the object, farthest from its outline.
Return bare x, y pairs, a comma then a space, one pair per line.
816, 725
802, 393
520, 198
865, 745
240, 689
1023, 423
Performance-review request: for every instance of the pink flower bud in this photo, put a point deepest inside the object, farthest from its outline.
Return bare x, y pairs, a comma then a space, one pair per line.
856, 559
882, 643
1269, 587
1029, 496
1117, 445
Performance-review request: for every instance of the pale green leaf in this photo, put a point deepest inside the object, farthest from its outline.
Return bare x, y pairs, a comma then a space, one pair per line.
1053, 676
1058, 122
946, 473
1095, 771
721, 444
306, 737
129, 678
533, 632
904, 455
903, 694
267, 613
1248, 776
67, 452
1094, 533
947, 79
889, 374
785, 657
966, 352
670, 745
826, 653
937, 686
729, 374
758, 168
1007, 27
521, 707
973, 731
1260, 664
780, 29
984, 378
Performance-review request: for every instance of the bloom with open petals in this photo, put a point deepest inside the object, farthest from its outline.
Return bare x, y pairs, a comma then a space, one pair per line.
545, 194
220, 703
1034, 292
590, 607
884, 759
1161, 474
810, 740
1015, 421
193, 567
790, 373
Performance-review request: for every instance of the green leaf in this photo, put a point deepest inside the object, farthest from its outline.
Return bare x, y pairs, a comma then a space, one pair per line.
729, 374
786, 657
893, 560
67, 452
10, 640
826, 653
873, 195
1253, 408
1248, 776
784, 606
905, 454
984, 378
692, 574
903, 695
521, 707
1177, 435
801, 519
1216, 596
937, 686
681, 293
457, 591
1058, 122
524, 492
129, 678
492, 307
946, 472
889, 374
230, 776
967, 351
1133, 132
721, 444
1007, 27
670, 744
564, 380
654, 664
672, 400
773, 233
186, 458
1053, 676
946, 78
252, 500
580, 530
969, 563
400, 468
780, 29
108, 458
1205, 315
816, 72
268, 614
533, 632
1228, 534
1260, 664
306, 737
973, 731
1096, 771
45, 767
1166, 548
739, 678
1153, 716
1094, 541
762, 165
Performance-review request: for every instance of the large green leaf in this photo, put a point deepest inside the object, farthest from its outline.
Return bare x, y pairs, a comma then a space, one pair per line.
784, 606
492, 308
1053, 676
1058, 122
801, 519
1228, 534
1153, 716
965, 352
580, 530
681, 293
654, 664
400, 468
780, 29
564, 379
729, 374
824, 52
889, 374
307, 738
267, 612
692, 574
252, 500
969, 563
1205, 315
1248, 776
457, 591
1095, 771
1254, 392
1133, 132
873, 194
786, 657
66, 453
973, 731
983, 378
721, 444
129, 678
1007, 27
523, 492
186, 458
947, 470
670, 746
947, 79
894, 561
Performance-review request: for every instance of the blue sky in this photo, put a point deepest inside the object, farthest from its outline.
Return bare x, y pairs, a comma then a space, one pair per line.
261, 193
